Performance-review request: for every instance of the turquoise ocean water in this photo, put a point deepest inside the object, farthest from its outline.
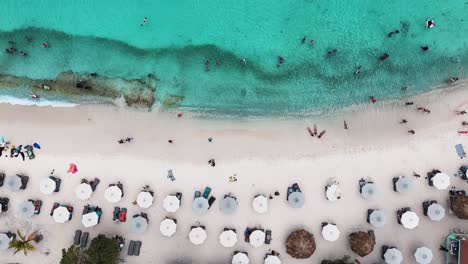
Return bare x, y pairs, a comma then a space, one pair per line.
107, 37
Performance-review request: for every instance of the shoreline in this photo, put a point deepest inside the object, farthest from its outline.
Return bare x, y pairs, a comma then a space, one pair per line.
266, 155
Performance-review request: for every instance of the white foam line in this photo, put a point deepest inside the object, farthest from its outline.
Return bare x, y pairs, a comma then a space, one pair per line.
5, 99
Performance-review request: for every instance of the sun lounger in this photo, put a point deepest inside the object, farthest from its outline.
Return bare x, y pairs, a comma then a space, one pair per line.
211, 201
123, 215
4, 203
2, 178
85, 209
84, 240
206, 192
77, 238
290, 190
24, 182
268, 237
94, 183
115, 214
58, 182
197, 194
37, 206
425, 205
53, 208
131, 247
136, 249
296, 188
460, 151
179, 196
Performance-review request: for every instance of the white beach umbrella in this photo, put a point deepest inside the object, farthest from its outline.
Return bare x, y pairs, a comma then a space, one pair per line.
333, 192
47, 186
4, 242
441, 181
228, 238
240, 258
83, 191
330, 232
90, 219
377, 218
171, 203
271, 259
409, 220
369, 191
296, 199
403, 184
228, 205
436, 212
257, 238
61, 214
423, 255
168, 227
393, 256
13, 183
197, 235
200, 205
260, 204
26, 209
113, 194
139, 224
145, 199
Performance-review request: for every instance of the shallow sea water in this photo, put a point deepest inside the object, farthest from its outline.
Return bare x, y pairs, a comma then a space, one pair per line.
106, 37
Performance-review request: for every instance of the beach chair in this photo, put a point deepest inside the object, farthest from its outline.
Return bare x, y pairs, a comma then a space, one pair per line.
290, 190
460, 151
136, 249
179, 196
123, 215
131, 247
296, 188
37, 206
84, 240
2, 178
369, 212
206, 192
268, 237
462, 172
197, 194
384, 249
94, 183
30, 152
24, 182
58, 182
426, 205
211, 201
53, 208
77, 238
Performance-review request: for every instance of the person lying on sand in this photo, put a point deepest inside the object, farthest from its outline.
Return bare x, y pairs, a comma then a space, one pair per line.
412, 132
403, 121
462, 112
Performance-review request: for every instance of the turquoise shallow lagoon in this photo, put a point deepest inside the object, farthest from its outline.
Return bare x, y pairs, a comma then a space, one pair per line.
106, 37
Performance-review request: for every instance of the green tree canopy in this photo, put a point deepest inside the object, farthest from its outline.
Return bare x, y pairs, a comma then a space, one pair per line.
102, 250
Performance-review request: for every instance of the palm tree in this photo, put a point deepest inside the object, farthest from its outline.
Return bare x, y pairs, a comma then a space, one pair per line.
24, 243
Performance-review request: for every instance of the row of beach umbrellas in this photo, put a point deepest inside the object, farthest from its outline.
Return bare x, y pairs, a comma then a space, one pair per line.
243, 258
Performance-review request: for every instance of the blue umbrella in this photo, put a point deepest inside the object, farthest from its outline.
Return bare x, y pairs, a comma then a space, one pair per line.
36, 146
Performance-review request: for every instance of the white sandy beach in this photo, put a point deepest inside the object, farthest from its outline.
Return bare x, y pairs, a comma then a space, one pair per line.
266, 155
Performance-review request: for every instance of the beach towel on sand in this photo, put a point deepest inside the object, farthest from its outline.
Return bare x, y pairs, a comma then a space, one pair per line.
460, 151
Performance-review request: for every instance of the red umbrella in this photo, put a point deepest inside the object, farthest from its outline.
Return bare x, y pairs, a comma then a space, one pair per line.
73, 168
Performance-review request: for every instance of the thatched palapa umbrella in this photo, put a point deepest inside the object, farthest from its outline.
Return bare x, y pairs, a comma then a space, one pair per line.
459, 206
300, 244
362, 243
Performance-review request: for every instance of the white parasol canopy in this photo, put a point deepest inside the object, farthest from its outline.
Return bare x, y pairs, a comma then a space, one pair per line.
330, 232
61, 214
168, 227
47, 186
271, 259
393, 256
83, 191
26, 209
333, 192
409, 220
240, 258
257, 238
171, 203
197, 235
90, 219
441, 181
145, 199
113, 194
423, 255
436, 212
260, 204
228, 238
4, 242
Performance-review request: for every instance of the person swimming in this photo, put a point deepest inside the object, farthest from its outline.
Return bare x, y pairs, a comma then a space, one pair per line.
358, 68
45, 44
430, 23
384, 57
453, 79
303, 40
243, 62
145, 19
425, 48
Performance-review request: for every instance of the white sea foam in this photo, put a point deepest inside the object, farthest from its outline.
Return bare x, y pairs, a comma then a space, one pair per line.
5, 99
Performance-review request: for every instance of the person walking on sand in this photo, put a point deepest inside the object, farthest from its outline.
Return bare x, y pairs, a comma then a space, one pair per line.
409, 103
412, 132
403, 121
416, 175
372, 98
345, 124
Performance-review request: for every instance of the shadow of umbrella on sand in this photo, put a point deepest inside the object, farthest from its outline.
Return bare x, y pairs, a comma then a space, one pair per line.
362, 243
300, 244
